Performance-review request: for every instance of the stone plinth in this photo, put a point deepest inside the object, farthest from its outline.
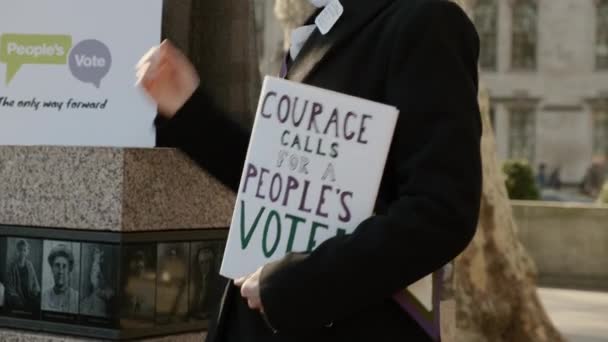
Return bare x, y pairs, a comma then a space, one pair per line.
144, 229
108, 189
567, 242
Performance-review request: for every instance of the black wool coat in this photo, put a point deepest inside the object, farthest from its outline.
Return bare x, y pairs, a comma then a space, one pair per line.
421, 57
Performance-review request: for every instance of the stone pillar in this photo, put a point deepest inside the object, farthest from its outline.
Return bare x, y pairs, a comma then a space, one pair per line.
219, 37
135, 222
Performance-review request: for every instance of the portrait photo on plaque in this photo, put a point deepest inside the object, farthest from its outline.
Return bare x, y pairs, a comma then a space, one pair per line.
99, 283
60, 280
172, 282
138, 286
205, 262
22, 277
2, 273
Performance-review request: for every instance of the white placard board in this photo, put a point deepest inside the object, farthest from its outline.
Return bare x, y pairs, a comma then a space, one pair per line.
67, 72
313, 170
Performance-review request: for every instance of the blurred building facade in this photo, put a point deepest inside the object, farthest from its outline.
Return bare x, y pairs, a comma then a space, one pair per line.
545, 65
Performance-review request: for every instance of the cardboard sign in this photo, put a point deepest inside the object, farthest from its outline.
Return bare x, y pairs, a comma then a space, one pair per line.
67, 72
313, 170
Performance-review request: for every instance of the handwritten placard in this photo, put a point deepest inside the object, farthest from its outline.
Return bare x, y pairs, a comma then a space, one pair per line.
313, 169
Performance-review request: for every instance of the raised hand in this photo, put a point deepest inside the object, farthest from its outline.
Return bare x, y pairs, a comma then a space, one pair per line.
168, 77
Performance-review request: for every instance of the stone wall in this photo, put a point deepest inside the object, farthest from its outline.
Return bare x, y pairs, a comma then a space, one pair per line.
569, 242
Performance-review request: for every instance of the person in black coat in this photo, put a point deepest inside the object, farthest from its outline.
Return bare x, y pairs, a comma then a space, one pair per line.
417, 55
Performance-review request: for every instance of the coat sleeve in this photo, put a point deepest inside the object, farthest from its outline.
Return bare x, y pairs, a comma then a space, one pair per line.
436, 166
207, 136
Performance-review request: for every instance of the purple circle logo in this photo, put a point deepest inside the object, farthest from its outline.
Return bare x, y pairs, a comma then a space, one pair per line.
90, 61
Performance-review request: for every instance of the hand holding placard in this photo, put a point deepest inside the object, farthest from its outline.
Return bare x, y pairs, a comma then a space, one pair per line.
250, 289
302, 182
168, 77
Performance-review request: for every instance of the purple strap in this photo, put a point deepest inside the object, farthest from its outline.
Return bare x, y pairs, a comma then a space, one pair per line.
430, 322
285, 66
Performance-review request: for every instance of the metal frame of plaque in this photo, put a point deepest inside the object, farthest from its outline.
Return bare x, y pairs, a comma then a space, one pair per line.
109, 285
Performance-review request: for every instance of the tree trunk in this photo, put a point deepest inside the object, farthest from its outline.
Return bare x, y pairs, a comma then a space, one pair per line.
495, 278
494, 282
219, 37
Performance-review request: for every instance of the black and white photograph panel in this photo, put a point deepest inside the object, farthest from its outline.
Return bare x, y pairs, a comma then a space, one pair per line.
2, 272
204, 273
172, 282
1, 296
138, 297
61, 276
221, 248
99, 280
22, 274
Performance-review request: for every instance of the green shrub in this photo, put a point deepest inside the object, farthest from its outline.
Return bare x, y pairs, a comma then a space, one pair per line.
520, 181
603, 199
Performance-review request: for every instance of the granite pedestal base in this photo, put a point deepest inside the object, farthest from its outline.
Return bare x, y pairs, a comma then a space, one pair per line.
108, 244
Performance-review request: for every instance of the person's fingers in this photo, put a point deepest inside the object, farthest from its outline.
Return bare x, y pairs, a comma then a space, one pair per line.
148, 73
162, 68
245, 291
179, 60
140, 79
240, 281
152, 54
141, 71
181, 68
166, 43
166, 51
152, 89
146, 67
253, 304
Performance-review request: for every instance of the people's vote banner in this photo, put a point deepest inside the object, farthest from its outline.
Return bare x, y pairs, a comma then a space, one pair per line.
67, 72
313, 170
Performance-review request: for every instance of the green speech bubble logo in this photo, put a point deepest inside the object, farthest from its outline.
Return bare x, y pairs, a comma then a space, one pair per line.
19, 49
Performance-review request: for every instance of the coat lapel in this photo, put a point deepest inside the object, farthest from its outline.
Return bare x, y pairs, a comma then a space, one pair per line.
356, 14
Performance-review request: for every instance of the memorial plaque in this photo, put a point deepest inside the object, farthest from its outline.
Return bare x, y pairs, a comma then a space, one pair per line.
60, 281
99, 284
108, 285
205, 263
2, 273
138, 301
172, 282
22, 277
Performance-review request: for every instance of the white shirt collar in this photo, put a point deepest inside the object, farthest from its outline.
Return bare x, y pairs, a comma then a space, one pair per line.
319, 3
300, 35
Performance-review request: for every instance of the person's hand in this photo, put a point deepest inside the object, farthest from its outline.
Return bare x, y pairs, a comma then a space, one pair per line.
168, 77
250, 289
